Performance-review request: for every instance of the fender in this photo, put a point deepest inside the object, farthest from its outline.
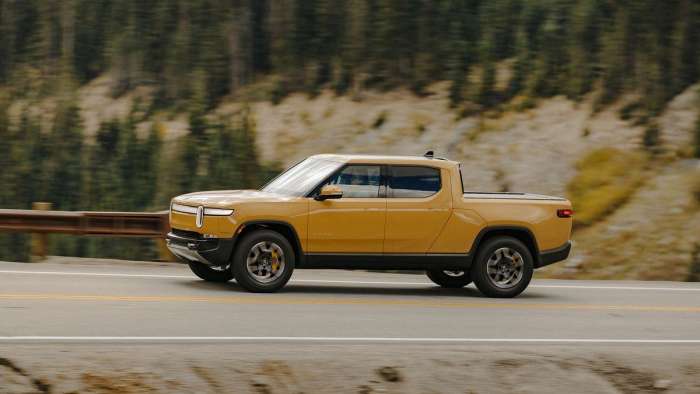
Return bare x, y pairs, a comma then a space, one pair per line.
272, 224
531, 242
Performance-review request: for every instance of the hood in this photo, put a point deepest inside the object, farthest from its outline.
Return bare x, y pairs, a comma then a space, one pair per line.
228, 198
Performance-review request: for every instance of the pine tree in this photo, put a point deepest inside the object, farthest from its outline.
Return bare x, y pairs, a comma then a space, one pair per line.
104, 182
615, 58
240, 45
147, 178
177, 63
248, 156
127, 158
7, 43
92, 18
5, 135
583, 46
685, 46
696, 138
30, 150
66, 137
352, 47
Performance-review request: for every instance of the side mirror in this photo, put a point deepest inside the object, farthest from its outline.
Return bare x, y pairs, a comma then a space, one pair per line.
329, 192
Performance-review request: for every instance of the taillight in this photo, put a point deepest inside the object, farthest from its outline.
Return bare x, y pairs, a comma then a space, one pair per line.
565, 213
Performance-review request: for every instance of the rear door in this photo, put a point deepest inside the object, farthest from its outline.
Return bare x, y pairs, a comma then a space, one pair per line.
418, 206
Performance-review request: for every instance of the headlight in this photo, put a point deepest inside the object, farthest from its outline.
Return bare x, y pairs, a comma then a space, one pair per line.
217, 212
184, 208
207, 211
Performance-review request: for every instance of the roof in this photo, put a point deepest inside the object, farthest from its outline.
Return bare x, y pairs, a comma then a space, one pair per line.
387, 159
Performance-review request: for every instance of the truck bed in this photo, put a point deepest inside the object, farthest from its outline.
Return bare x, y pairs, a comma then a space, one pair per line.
510, 196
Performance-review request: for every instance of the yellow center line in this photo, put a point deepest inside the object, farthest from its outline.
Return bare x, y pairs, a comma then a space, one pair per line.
278, 300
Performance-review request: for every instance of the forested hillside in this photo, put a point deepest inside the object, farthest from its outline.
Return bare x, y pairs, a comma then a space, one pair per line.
219, 46
121, 104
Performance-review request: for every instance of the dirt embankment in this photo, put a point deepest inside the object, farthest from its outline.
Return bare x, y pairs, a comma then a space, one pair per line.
270, 368
653, 235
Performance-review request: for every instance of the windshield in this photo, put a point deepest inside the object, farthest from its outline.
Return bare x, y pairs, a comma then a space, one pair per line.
302, 178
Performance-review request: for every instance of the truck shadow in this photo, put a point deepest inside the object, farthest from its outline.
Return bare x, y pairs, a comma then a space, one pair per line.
427, 291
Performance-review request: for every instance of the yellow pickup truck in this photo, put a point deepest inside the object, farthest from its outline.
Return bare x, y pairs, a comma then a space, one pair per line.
370, 212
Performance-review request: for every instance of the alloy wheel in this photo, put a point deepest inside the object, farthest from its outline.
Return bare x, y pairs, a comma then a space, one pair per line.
505, 268
265, 262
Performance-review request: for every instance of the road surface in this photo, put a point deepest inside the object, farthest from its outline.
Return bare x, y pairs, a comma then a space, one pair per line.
54, 316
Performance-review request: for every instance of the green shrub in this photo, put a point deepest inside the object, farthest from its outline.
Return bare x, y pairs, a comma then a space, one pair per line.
652, 138
606, 179
586, 132
379, 122
694, 266
695, 189
628, 111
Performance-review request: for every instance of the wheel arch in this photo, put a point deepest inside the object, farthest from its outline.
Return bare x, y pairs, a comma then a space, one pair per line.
523, 234
284, 228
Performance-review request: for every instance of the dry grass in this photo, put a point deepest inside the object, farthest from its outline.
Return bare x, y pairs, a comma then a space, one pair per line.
305, 118
486, 125
606, 179
421, 121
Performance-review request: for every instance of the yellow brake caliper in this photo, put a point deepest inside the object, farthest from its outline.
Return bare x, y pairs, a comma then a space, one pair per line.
275, 261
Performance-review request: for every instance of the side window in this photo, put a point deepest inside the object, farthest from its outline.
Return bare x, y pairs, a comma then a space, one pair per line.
358, 181
414, 181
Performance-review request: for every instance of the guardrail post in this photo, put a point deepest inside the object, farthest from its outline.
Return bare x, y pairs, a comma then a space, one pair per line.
40, 241
164, 253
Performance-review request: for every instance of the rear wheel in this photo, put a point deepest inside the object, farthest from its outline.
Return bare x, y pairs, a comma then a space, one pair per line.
503, 267
450, 279
211, 274
263, 261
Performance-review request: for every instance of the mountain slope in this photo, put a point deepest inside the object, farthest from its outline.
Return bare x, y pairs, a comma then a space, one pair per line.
651, 236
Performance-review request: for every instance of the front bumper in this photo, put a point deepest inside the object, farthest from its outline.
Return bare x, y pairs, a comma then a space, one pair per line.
190, 246
552, 256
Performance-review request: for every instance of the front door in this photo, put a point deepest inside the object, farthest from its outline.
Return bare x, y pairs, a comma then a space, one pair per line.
418, 205
355, 222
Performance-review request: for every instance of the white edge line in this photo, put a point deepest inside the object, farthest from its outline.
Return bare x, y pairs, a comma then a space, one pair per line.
160, 276
107, 274
336, 339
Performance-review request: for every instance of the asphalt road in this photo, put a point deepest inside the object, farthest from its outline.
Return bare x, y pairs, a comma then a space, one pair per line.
151, 302
88, 326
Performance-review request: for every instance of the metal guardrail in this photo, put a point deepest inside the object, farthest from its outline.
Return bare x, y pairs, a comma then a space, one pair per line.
112, 224
116, 224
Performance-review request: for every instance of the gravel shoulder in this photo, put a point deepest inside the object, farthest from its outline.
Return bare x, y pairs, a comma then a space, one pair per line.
387, 368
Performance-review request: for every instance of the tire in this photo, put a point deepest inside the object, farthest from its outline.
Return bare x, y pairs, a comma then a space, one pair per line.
495, 269
450, 279
209, 274
263, 248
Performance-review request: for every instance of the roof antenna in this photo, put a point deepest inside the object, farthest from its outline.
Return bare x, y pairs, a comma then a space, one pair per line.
428, 154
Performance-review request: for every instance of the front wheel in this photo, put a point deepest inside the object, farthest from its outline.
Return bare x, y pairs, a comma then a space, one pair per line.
211, 274
263, 261
450, 279
503, 267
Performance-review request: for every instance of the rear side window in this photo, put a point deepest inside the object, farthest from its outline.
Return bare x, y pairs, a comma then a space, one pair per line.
413, 181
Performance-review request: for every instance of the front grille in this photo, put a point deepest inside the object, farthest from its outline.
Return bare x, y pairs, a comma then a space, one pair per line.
186, 234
